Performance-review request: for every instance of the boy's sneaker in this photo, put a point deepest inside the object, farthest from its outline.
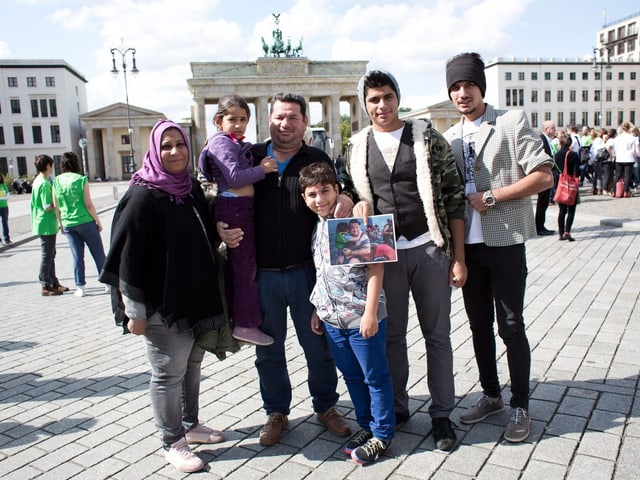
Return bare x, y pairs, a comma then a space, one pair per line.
79, 291
443, 434
182, 457
254, 336
485, 407
370, 451
203, 434
358, 440
518, 426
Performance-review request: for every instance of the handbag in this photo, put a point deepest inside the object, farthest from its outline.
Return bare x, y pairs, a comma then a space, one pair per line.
602, 155
567, 189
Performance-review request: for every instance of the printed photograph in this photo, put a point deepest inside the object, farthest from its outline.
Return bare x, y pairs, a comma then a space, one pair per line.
352, 242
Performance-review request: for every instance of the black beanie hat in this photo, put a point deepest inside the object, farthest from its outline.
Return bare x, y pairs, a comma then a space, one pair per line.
468, 67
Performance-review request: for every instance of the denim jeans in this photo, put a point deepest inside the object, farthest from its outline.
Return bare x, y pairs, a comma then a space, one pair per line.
4, 213
279, 290
47, 262
79, 235
497, 280
365, 370
175, 359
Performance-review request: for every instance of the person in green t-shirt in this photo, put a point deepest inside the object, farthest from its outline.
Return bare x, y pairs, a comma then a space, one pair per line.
78, 218
44, 223
4, 211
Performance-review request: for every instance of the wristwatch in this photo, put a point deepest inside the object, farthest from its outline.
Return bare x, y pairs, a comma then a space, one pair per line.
488, 199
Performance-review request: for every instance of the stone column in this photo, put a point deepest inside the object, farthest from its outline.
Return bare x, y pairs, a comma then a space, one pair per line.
200, 121
110, 157
262, 118
335, 131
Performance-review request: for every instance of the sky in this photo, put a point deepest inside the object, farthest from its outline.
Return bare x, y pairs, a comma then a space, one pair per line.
410, 38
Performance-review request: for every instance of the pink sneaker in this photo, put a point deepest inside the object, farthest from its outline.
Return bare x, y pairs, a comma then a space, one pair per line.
255, 336
182, 457
203, 434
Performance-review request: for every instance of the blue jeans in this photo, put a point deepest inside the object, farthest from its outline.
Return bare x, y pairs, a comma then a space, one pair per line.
175, 359
47, 262
496, 283
279, 290
365, 370
79, 235
4, 213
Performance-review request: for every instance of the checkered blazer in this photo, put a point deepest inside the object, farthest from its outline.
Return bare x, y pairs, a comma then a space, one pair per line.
507, 149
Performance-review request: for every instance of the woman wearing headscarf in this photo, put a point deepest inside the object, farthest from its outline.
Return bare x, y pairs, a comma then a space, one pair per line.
162, 265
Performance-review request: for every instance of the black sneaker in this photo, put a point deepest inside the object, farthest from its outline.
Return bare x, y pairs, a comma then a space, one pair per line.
370, 451
360, 438
443, 434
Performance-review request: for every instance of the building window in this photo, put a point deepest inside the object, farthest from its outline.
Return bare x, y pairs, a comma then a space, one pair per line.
608, 97
621, 95
620, 117
572, 118
35, 113
547, 116
609, 76
1, 135
18, 135
507, 76
547, 96
4, 165
50, 81
37, 133
585, 95
585, 75
585, 118
53, 107
632, 95
534, 96
560, 76
572, 95
547, 75
632, 75
572, 75
632, 116
55, 134
15, 105
560, 95
128, 167
534, 119
44, 111
620, 48
596, 119
12, 81
631, 46
607, 117
534, 76
521, 76
560, 121
596, 95
31, 82
521, 97
124, 139
620, 75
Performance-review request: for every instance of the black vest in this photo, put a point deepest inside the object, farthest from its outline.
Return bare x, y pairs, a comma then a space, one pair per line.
397, 192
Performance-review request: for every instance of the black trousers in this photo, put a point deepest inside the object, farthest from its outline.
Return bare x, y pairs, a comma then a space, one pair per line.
495, 291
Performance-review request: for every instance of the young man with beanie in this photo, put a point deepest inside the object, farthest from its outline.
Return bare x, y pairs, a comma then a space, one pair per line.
503, 163
405, 168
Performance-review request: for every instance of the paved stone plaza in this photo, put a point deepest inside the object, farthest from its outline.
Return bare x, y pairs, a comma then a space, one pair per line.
74, 401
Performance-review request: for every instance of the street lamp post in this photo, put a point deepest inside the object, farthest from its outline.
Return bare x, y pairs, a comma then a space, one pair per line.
114, 71
601, 64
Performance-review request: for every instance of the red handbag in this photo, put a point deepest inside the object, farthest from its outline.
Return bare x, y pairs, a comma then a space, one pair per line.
567, 189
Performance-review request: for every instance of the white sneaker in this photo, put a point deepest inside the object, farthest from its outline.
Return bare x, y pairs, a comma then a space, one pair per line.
182, 457
79, 291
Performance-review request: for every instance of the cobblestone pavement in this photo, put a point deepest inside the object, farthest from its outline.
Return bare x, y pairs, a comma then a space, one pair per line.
74, 401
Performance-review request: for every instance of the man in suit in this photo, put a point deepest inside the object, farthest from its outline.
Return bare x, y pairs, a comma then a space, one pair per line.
503, 163
547, 135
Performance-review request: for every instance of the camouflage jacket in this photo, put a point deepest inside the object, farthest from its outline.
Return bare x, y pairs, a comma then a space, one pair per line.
438, 181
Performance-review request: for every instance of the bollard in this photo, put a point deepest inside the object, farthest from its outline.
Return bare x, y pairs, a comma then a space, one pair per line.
115, 192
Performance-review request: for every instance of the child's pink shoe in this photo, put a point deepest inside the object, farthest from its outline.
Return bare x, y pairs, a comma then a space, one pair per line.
255, 336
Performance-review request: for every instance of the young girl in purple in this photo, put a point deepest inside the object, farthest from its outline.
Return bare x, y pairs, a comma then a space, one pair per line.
227, 160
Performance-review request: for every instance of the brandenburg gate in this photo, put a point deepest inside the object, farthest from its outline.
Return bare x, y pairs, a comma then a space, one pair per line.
281, 69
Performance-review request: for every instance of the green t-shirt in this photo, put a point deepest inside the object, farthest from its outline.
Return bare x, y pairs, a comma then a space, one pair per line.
69, 191
4, 194
42, 222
